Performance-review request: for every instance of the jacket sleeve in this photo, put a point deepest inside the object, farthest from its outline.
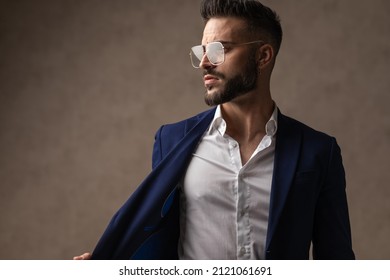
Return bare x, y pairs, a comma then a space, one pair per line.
332, 232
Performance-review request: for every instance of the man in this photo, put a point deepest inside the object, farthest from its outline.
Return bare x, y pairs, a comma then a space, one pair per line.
240, 181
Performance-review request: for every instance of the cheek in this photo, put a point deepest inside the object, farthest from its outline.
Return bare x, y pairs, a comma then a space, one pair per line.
235, 63
230, 71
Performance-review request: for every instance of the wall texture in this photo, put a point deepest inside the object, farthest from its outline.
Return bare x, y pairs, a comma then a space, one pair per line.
85, 84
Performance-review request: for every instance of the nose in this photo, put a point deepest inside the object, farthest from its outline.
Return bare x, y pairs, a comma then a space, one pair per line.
205, 63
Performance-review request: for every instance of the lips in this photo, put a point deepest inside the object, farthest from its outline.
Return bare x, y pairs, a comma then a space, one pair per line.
209, 79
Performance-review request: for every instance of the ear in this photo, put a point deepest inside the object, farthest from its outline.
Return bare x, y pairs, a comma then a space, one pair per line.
265, 55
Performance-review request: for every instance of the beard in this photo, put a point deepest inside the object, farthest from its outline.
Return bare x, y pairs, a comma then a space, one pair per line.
236, 86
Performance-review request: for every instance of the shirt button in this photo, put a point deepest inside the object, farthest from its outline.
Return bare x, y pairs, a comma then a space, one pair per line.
242, 251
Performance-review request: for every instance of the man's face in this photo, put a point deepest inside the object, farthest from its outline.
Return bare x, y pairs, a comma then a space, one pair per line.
237, 75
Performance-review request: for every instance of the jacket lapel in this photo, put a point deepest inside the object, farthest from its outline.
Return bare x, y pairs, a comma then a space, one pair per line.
287, 153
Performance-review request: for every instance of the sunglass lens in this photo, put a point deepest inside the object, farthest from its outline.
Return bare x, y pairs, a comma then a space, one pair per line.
215, 53
196, 55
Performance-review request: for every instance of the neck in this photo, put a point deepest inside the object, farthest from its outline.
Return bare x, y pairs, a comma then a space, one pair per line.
247, 116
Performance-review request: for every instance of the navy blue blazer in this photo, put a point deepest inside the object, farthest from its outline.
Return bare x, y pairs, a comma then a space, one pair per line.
308, 198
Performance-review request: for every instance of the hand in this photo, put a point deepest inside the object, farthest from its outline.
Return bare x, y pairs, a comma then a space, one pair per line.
85, 256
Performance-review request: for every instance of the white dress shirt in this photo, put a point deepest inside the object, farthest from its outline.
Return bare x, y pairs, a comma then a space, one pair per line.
224, 204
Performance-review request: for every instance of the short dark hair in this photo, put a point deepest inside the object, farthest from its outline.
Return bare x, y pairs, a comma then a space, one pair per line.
260, 18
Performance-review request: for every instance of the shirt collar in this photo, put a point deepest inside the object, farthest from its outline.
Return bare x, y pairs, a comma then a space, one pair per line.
219, 124
272, 125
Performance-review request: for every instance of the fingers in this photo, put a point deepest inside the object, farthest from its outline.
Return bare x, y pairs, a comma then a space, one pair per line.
85, 256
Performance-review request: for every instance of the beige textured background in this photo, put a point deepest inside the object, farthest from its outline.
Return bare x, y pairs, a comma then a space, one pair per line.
85, 84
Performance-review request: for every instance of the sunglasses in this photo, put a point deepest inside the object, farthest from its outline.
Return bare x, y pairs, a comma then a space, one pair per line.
214, 51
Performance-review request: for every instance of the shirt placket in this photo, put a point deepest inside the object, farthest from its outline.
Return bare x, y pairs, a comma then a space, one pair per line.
241, 192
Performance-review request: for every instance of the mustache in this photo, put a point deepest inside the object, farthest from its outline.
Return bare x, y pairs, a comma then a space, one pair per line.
214, 73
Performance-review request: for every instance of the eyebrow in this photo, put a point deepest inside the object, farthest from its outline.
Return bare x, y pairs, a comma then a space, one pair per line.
226, 42
219, 41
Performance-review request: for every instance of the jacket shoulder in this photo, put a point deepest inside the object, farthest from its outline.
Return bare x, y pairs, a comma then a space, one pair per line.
169, 135
308, 133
